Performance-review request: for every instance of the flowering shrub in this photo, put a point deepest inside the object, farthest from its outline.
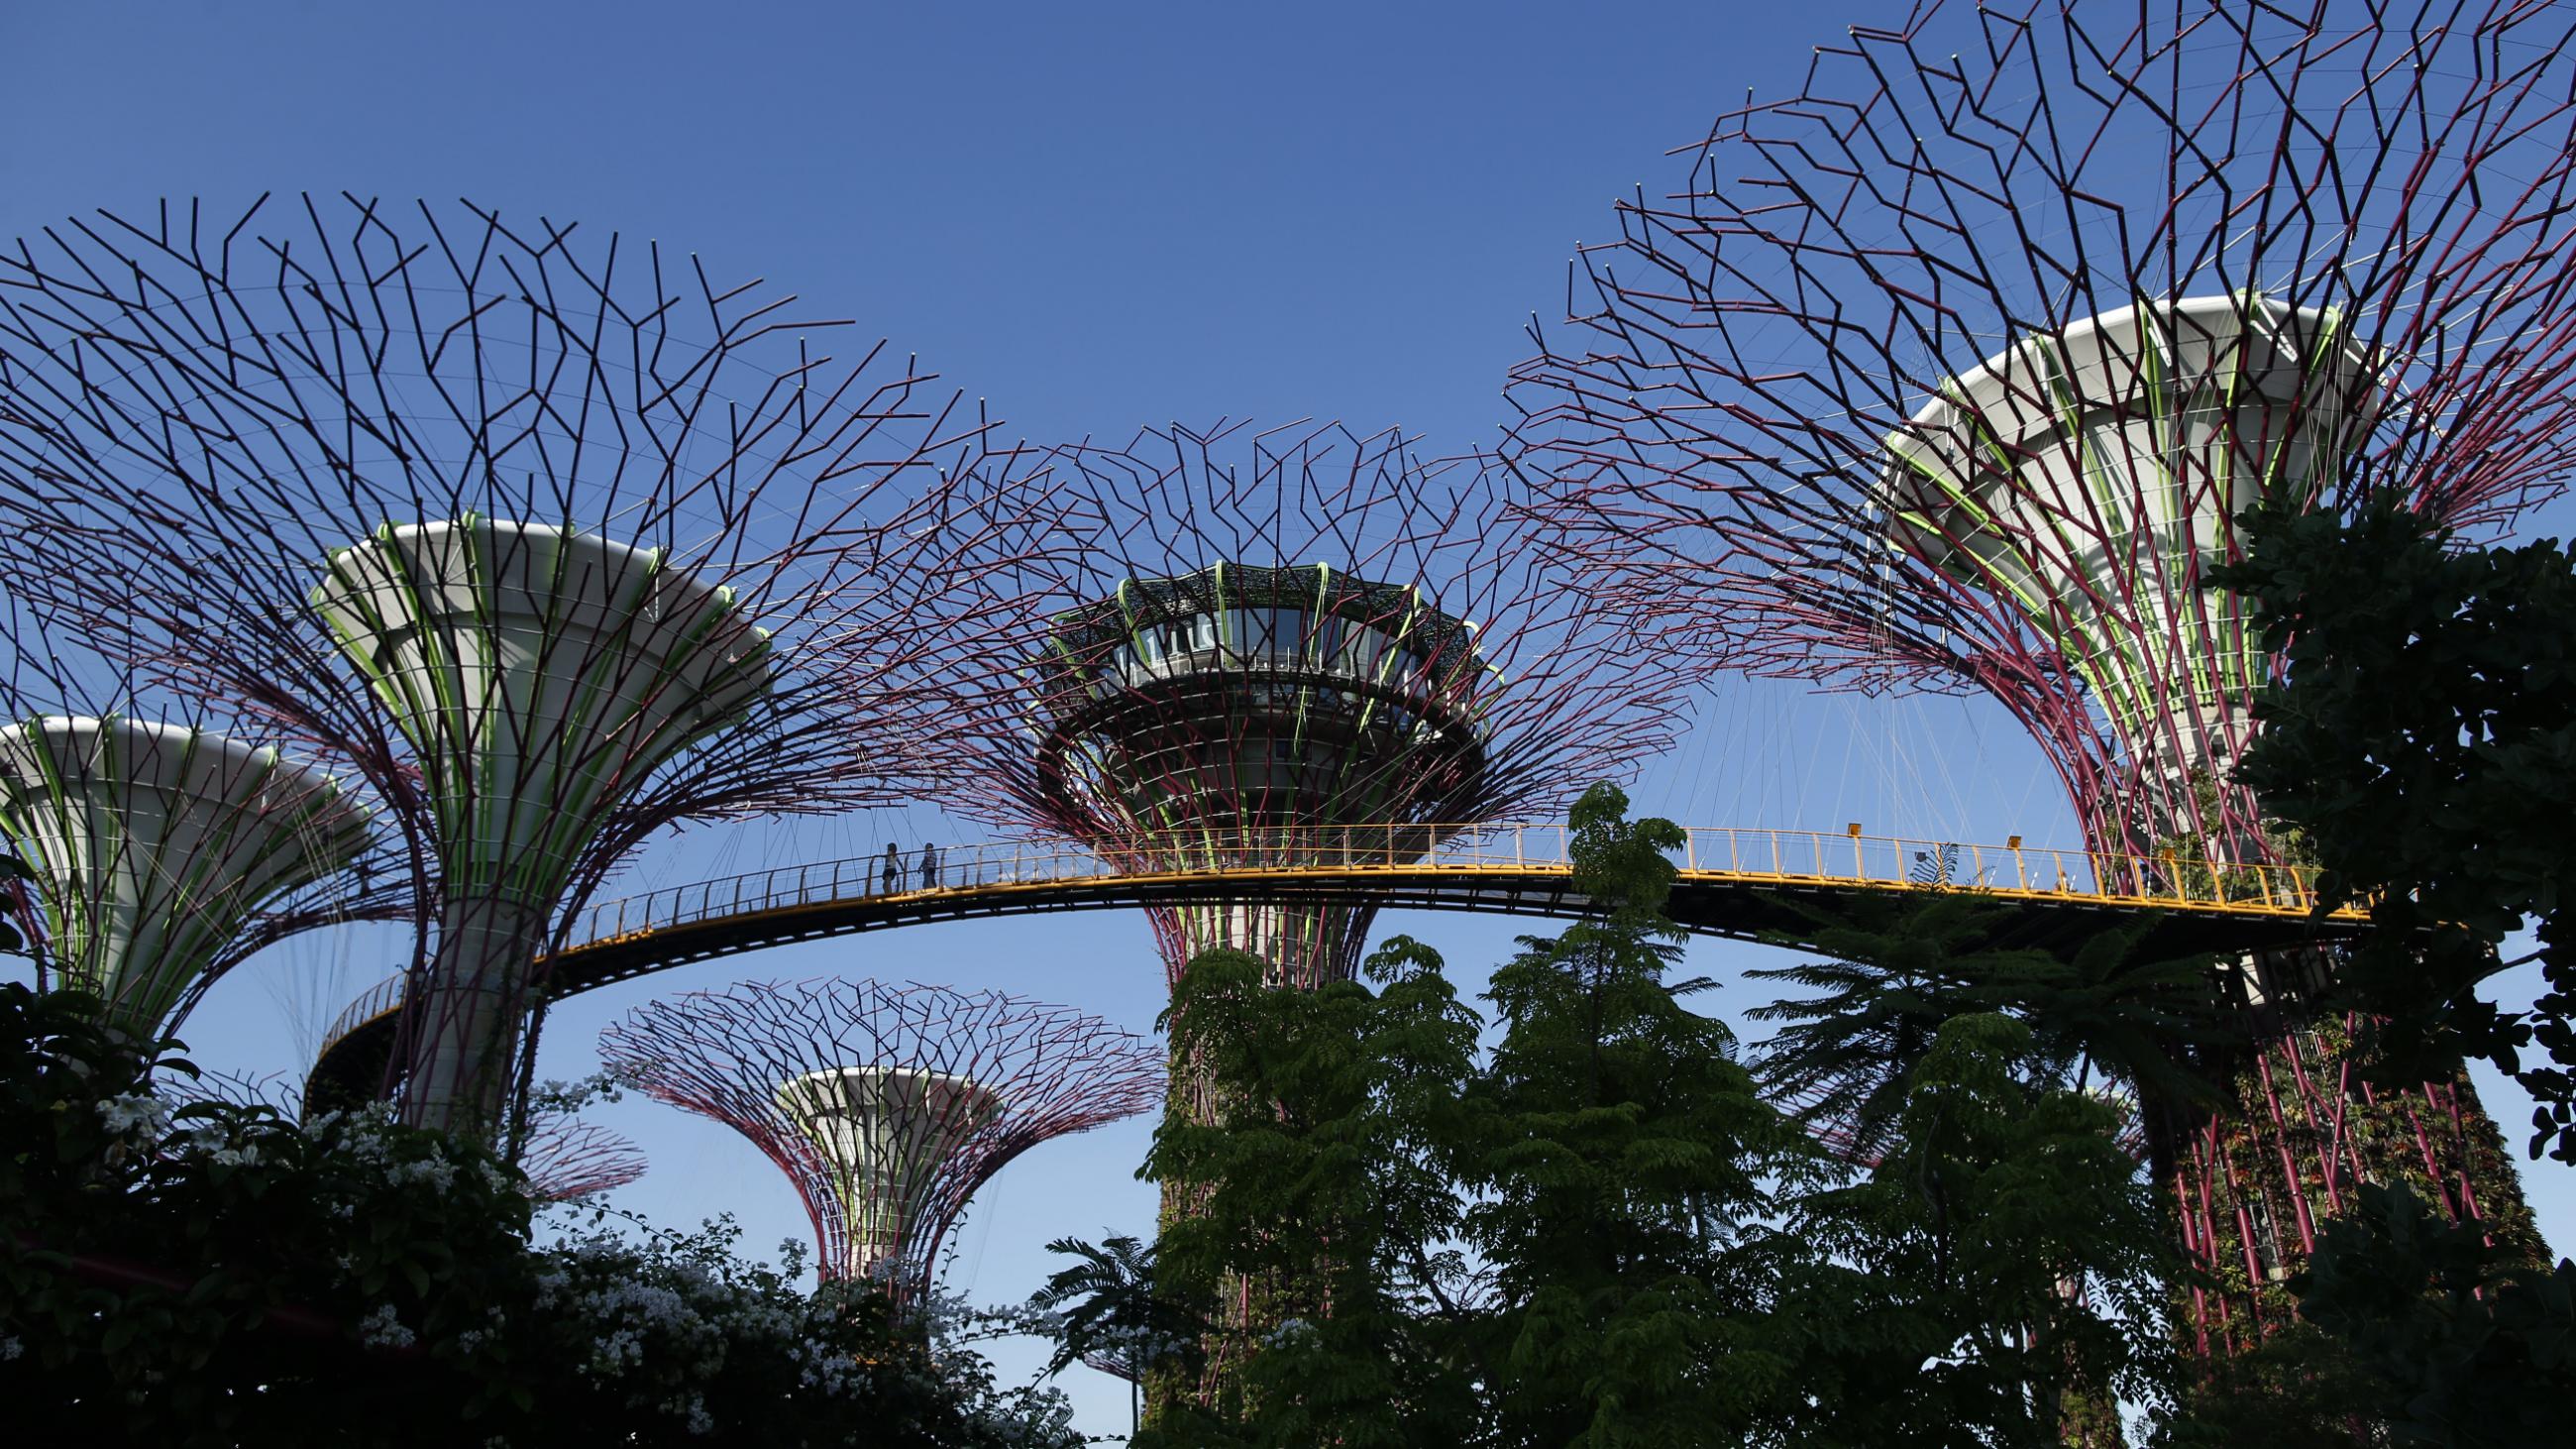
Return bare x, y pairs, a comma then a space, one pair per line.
215, 1274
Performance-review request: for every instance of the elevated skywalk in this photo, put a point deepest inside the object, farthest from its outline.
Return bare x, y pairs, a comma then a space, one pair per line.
1738, 883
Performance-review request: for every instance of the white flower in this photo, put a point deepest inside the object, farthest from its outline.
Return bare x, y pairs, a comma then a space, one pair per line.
138, 1110
380, 1329
438, 1173
616, 1351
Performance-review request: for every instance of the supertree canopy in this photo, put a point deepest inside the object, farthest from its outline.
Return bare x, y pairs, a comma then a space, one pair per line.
153, 846
551, 541
1301, 647
1955, 369
160, 853
887, 1107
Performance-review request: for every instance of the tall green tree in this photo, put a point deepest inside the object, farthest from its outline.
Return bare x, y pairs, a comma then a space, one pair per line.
1997, 1278
2004, 1239
1104, 1310
2423, 739
2109, 1015
1319, 1200
1619, 1152
1597, 1232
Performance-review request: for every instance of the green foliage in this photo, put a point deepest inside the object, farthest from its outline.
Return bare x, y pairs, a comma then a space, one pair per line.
1618, 1151
2300, 1390
2425, 744
13, 871
2005, 1242
1320, 1193
1898, 973
2413, 1325
219, 1276
1997, 1275
2469, 1345
1105, 1310
1597, 1233
1104, 1307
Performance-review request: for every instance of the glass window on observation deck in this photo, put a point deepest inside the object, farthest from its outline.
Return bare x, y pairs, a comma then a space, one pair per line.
1366, 645
1255, 633
1324, 639
1278, 635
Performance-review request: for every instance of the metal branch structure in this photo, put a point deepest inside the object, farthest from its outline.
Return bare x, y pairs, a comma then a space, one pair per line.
277, 1091
548, 539
564, 1158
886, 1106
162, 852
1300, 646
567, 1159
1955, 369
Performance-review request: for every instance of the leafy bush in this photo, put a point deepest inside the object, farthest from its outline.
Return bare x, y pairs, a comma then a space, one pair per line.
215, 1274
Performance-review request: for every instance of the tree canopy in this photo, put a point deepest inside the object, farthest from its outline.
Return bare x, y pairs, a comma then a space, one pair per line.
1594, 1230
2422, 739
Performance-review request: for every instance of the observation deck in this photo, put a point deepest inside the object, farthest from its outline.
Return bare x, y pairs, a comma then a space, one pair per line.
1764, 885
1236, 712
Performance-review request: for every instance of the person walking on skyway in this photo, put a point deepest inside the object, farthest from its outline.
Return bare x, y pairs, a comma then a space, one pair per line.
892, 875
929, 866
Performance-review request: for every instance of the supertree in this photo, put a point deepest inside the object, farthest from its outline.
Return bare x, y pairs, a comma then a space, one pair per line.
886, 1106
564, 1158
1300, 647
160, 853
1954, 370
551, 544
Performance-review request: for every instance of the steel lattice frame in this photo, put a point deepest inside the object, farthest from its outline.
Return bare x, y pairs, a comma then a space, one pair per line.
955, 1085
567, 1159
549, 540
1952, 371
1264, 646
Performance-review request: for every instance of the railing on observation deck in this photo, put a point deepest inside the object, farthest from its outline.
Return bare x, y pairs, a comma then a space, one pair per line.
381, 999
1782, 857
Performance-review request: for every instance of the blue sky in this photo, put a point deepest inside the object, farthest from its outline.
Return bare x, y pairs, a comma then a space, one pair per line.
1095, 216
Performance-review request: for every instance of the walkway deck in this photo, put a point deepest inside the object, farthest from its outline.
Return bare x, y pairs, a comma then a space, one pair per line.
1744, 884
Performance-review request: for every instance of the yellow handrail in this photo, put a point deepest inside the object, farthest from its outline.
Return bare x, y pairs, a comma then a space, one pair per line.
1796, 858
